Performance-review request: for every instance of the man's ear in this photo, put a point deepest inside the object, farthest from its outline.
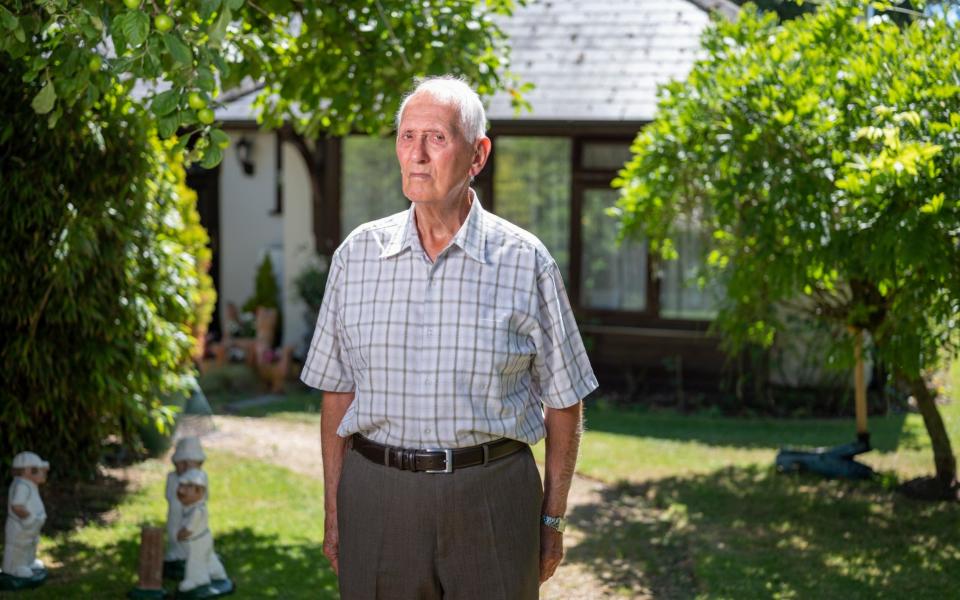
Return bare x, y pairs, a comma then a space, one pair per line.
481, 152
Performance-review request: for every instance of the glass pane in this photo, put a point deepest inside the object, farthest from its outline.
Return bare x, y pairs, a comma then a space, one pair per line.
605, 155
681, 297
614, 277
370, 181
531, 184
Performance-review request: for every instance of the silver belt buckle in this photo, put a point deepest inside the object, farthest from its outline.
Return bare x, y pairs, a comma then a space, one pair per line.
448, 456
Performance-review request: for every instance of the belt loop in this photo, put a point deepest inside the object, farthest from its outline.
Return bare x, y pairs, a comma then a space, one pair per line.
386, 456
486, 453
412, 459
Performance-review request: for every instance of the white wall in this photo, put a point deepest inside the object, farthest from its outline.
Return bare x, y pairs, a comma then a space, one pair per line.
247, 229
298, 243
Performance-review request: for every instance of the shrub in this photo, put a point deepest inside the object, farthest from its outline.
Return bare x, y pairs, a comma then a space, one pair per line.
99, 277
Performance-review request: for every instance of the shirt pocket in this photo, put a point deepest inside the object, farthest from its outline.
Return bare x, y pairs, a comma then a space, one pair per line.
502, 345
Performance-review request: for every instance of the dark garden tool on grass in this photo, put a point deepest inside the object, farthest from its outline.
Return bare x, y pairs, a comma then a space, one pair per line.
837, 462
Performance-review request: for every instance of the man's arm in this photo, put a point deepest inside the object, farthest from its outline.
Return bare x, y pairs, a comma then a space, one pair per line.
332, 447
564, 426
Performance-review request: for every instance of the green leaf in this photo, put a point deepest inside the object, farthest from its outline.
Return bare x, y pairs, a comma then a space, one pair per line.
219, 29
234, 4
219, 138
44, 100
165, 103
205, 80
211, 157
177, 49
208, 7
136, 27
168, 125
8, 20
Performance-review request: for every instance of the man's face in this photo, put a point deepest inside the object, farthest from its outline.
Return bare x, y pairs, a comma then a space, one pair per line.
189, 493
436, 162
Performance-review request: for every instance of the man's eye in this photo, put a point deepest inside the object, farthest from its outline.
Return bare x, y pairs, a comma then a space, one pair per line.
438, 137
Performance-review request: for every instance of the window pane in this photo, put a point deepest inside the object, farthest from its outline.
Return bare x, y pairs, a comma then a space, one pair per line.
370, 181
614, 277
605, 155
531, 184
681, 297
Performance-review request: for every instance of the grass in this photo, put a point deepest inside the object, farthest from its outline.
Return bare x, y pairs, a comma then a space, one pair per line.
694, 509
267, 524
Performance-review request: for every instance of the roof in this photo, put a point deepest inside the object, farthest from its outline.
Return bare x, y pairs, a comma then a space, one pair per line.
595, 61
601, 60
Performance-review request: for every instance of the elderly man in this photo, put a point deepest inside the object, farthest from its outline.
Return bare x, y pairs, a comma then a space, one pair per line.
443, 334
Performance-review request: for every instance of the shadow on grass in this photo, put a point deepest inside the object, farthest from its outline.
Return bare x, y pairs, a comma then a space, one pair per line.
751, 533
888, 433
260, 566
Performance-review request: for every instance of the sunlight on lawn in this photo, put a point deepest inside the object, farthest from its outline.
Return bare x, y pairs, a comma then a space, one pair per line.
267, 524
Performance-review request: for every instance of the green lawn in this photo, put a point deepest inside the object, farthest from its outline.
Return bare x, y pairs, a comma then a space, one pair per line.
267, 524
694, 508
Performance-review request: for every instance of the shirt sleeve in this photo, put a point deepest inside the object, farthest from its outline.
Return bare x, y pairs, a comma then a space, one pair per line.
561, 367
20, 494
327, 367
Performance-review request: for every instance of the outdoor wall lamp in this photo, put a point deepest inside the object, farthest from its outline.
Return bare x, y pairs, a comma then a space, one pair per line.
244, 149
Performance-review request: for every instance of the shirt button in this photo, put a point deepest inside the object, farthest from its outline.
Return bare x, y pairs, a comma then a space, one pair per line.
427, 430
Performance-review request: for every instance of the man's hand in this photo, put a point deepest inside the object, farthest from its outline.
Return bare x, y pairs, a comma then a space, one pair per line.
183, 534
332, 447
331, 541
551, 551
20, 510
563, 443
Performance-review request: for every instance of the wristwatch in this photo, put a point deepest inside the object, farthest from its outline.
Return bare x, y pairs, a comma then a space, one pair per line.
557, 523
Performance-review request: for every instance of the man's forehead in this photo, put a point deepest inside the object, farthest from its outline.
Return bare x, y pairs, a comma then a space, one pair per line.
425, 111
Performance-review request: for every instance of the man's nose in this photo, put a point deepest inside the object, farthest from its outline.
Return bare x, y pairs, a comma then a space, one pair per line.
419, 152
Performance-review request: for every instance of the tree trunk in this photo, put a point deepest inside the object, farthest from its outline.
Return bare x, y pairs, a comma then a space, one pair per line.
946, 463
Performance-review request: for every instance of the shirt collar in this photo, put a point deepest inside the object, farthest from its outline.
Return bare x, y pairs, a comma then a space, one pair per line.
471, 237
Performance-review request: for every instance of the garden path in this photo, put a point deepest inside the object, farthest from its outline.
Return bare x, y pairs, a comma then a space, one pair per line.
296, 446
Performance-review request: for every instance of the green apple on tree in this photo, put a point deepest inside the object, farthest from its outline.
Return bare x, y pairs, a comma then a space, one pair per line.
163, 23
196, 101
205, 116
131, 4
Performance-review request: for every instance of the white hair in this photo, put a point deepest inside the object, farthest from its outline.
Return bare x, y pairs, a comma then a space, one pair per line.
455, 92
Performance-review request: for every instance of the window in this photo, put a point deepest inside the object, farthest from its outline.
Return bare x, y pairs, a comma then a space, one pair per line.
531, 186
605, 155
681, 296
612, 277
370, 181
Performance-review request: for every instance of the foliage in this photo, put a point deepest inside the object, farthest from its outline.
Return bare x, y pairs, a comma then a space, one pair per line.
98, 273
821, 158
324, 66
266, 293
310, 284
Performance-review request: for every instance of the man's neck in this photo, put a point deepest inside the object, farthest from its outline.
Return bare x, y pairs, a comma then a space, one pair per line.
437, 224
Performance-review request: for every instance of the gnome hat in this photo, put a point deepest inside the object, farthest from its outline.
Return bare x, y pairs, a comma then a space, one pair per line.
189, 448
25, 460
194, 476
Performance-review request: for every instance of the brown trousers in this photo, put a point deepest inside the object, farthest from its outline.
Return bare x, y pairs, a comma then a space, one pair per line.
470, 534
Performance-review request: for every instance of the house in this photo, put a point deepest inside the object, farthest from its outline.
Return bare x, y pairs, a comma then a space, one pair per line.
596, 67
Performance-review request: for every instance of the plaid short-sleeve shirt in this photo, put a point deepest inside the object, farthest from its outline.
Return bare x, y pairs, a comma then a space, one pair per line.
451, 353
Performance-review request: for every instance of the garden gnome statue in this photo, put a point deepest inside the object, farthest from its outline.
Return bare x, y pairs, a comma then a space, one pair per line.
25, 517
205, 576
188, 455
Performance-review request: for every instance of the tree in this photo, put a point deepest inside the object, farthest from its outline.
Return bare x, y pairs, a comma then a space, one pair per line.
821, 158
101, 277
322, 66
100, 253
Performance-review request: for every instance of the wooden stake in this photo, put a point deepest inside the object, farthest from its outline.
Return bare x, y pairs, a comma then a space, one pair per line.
860, 388
151, 558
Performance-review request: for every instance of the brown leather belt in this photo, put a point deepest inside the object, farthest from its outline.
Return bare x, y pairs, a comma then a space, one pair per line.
434, 460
